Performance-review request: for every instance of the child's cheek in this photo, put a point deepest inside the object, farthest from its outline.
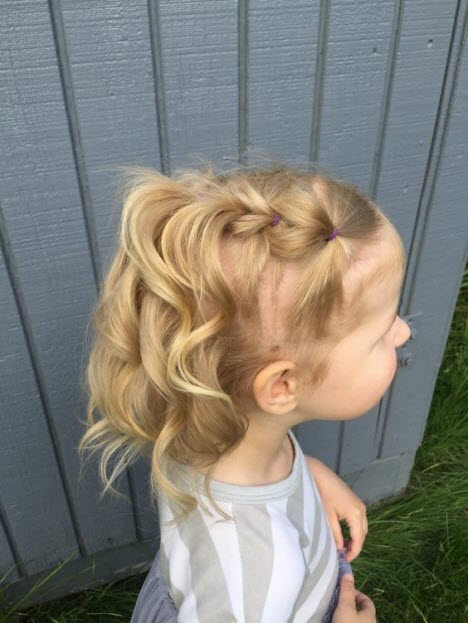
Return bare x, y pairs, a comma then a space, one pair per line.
387, 363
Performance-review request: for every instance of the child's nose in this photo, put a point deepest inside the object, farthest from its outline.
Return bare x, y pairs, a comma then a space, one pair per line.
405, 333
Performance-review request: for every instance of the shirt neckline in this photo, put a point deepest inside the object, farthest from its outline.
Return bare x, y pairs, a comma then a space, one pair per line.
249, 494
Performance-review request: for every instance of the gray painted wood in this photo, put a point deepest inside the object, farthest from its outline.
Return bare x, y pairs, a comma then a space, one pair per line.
101, 568
282, 48
438, 254
37, 532
373, 91
405, 137
358, 50
436, 269
51, 268
198, 39
109, 51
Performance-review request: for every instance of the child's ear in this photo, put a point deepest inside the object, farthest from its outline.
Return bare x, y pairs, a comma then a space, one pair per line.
275, 387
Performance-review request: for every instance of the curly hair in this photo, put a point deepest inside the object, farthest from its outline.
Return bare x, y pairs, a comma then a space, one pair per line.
202, 293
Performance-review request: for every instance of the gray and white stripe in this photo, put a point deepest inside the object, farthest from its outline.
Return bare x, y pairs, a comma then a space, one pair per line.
275, 561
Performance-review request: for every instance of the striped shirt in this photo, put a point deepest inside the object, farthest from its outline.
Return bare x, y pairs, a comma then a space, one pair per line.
275, 562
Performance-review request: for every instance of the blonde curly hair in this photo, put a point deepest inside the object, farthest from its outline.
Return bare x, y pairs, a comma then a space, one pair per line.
186, 317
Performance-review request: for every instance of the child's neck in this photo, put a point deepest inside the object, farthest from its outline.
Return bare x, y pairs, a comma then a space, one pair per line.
261, 458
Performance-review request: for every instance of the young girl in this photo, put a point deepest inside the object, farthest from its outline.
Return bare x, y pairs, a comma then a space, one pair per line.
237, 306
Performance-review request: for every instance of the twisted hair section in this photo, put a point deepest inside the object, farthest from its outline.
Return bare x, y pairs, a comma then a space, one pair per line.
202, 293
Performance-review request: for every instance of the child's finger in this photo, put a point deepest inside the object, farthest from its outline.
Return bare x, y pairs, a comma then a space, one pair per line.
363, 602
356, 529
337, 533
354, 549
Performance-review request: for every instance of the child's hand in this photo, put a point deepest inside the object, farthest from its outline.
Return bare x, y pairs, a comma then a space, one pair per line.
349, 600
340, 503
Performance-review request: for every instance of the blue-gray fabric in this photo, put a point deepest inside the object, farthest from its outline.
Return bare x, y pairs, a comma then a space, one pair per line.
155, 605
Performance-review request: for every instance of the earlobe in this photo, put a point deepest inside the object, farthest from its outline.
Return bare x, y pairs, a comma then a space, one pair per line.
283, 404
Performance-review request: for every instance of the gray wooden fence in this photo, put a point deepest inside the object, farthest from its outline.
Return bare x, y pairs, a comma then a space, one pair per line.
376, 91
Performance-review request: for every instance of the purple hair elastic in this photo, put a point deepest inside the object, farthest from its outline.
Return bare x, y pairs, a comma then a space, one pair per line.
334, 234
276, 220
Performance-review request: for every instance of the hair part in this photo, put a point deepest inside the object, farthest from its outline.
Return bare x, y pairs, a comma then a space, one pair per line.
202, 293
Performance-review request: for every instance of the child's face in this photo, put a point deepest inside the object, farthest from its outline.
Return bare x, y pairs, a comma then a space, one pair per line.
364, 363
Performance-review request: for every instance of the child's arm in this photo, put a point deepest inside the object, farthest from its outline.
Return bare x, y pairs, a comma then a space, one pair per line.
340, 503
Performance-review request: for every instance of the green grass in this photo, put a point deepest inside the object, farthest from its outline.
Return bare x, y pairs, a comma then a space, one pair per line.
414, 565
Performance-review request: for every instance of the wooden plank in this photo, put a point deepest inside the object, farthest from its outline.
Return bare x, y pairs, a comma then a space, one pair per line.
441, 256
282, 49
34, 532
346, 125
43, 212
109, 51
358, 52
437, 266
403, 142
382, 479
9, 568
200, 61
78, 575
